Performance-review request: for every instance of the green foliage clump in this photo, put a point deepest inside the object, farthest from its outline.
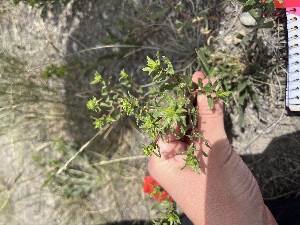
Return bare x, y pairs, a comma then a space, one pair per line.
260, 11
244, 82
241, 74
53, 70
238, 76
169, 100
166, 206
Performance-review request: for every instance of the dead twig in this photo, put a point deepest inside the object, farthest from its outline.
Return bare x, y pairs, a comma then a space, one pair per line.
81, 150
120, 160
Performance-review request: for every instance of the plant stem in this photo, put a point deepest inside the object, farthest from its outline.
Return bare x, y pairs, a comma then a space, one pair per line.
120, 160
81, 150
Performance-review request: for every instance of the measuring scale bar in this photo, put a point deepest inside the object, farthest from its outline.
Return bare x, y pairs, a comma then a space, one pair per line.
293, 76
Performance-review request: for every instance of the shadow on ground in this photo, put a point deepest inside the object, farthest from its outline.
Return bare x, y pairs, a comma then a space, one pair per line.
277, 171
277, 168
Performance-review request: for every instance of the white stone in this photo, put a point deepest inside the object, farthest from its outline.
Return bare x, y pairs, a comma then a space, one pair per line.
246, 19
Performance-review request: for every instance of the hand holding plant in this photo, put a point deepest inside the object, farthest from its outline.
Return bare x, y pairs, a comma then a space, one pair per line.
225, 192
191, 157
170, 98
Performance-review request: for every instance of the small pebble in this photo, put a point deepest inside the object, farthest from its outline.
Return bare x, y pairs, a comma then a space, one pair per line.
228, 10
228, 40
247, 20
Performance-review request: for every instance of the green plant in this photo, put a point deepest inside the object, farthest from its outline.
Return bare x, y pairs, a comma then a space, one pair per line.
77, 181
253, 45
75, 186
240, 74
237, 75
58, 71
168, 100
166, 205
260, 11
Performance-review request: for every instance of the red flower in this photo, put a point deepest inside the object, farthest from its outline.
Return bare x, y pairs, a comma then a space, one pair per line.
151, 185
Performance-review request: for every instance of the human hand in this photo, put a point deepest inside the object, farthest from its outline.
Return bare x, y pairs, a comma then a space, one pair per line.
225, 192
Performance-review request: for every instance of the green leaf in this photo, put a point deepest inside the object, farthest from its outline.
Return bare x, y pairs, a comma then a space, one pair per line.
203, 61
254, 15
152, 65
191, 160
162, 205
269, 6
172, 218
204, 153
105, 104
250, 2
242, 85
151, 149
123, 75
240, 36
241, 118
168, 86
93, 104
98, 123
159, 14
97, 78
243, 96
168, 63
247, 8
224, 96
246, 39
254, 97
200, 83
210, 102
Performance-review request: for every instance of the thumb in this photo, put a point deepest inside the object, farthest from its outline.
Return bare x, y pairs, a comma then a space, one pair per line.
210, 121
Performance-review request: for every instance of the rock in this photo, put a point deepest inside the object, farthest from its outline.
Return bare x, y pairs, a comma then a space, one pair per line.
247, 20
228, 9
228, 40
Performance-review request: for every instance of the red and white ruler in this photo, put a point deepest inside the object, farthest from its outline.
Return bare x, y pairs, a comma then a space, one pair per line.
293, 29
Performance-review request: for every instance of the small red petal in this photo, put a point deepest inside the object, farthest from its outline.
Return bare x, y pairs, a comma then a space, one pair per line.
149, 184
